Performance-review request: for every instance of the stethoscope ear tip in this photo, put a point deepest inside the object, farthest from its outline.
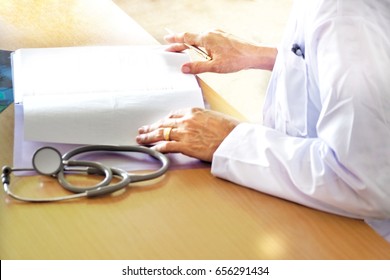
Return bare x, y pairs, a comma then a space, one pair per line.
5, 175
6, 170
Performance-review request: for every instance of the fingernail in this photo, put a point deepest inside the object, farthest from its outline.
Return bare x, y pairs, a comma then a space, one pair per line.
140, 139
186, 69
168, 37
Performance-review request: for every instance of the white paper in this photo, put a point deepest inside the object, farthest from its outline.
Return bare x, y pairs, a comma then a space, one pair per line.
24, 151
99, 95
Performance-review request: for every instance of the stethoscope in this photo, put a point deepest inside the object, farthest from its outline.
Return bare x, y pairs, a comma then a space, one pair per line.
49, 161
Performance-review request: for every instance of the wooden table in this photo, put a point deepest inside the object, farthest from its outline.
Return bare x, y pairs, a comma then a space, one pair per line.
186, 214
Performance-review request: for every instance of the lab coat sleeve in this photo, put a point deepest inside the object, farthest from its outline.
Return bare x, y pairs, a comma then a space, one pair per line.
346, 169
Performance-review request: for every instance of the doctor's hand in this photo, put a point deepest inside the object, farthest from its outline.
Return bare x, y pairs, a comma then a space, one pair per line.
194, 132
228, 53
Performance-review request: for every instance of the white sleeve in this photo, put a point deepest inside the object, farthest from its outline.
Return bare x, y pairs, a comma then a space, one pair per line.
346, 168
302, 170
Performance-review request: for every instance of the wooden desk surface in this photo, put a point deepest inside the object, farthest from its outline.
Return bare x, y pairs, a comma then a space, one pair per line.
187, 214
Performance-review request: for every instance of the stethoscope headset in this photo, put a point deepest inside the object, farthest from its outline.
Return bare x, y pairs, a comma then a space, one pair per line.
49, 161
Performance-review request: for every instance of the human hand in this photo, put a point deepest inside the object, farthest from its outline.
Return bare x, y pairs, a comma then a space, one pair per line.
228, 53
194, 132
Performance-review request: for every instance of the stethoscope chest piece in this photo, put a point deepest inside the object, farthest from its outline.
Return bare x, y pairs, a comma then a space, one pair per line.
47, 161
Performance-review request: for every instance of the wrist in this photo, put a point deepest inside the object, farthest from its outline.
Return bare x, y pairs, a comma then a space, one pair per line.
261, 57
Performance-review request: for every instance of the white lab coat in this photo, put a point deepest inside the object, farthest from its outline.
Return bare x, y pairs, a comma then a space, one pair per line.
325, 142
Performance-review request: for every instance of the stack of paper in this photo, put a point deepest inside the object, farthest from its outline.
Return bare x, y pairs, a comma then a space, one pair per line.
99, 95
95, 95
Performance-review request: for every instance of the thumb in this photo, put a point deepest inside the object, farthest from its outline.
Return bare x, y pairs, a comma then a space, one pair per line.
196, 67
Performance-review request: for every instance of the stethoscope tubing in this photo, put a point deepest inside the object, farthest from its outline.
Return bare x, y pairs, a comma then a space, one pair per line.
140, 149
104, 186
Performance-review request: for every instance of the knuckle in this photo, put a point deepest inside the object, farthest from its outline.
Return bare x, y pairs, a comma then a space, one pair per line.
214, 68
187, 37
209, 32
196, 110
159, 134
212, 32
196, 113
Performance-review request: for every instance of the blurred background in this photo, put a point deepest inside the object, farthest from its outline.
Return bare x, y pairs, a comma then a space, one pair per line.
258, 20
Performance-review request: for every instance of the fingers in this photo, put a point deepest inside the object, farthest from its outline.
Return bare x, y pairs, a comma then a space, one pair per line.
149, 134
170, 122
160, 134
163, 130
181, 41
168, 147
214, 42
197, 67
177, 41
176, 47
186, 37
